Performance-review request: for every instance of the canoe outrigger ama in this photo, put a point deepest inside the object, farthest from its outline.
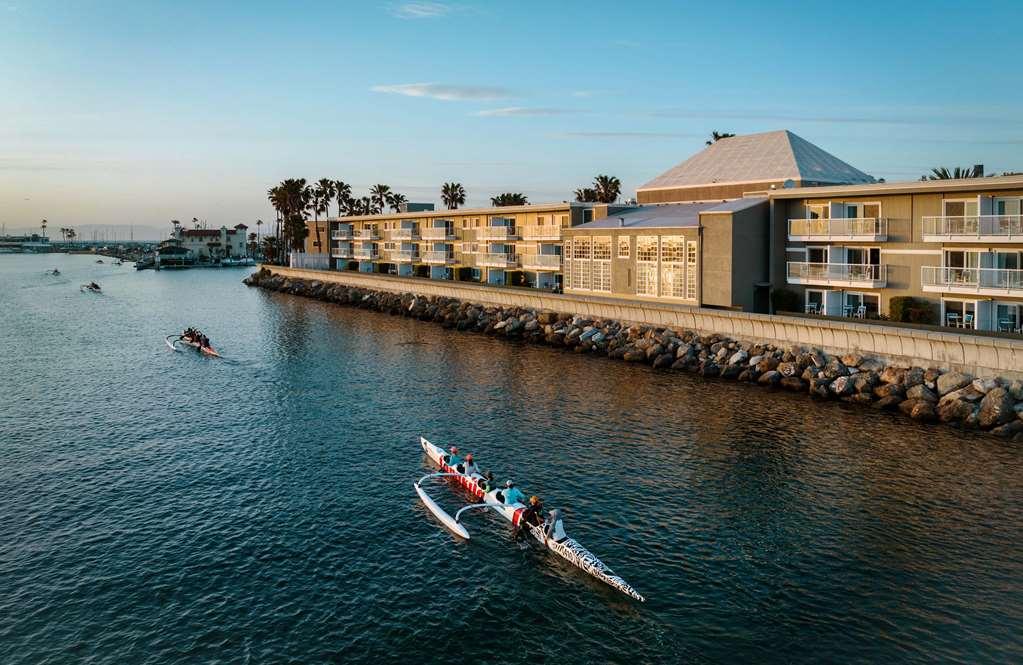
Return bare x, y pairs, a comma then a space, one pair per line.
194, 339
557, 542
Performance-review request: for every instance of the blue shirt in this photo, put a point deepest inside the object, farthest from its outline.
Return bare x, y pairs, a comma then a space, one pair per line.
454, 460
514, 495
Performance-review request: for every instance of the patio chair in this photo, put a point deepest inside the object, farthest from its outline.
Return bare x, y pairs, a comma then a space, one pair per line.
968, 320
861, 312
811, 308
951, 319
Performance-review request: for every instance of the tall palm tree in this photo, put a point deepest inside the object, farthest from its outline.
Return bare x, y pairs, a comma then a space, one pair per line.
379, 194
63, 234
343, 192
325, 191
509, 199
586, 195
259, 223
608, 188
42, 225
716, 136
394, 201
71, 235
452, 194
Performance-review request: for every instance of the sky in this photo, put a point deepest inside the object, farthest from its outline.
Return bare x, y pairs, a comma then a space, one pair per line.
142, 112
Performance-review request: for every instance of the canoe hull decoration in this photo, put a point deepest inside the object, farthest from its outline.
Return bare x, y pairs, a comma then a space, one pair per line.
568, 548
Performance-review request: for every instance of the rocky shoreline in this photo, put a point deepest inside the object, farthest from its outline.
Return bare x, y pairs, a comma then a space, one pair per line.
924, 394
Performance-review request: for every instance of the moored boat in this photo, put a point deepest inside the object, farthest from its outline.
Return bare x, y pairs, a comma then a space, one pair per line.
557, 542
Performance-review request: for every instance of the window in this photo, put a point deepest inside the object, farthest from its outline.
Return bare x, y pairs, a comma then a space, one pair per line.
959, 313
587, 215
541, 220
691, 270
1007, 317
564, 220
624, 247
673, 266
646, 265
601, 269
871, 302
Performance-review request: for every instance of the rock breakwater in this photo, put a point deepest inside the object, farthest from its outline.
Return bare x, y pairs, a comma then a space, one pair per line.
926, 394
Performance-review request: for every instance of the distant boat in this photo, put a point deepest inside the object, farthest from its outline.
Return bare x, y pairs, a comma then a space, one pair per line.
91, 288
243, 261
99, 260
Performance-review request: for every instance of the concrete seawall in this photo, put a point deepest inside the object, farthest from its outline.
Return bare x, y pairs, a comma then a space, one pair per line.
977, 355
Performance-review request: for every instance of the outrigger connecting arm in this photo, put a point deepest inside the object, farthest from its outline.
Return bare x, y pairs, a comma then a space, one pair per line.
438, 475
473, 507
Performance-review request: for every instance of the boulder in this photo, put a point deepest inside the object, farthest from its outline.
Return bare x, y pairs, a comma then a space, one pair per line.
843, 385
709, 368
914, 376
865, 382
889, 403
732, 371
634, 356
755, 360
946, 383
769, 378
859, 398
892, 375
788, 369
889, 390
835, 369
820, 387
957, 411
663, 360
738, 357
1015, 389
984, 385
769, 363
1009, 429
920, 391
871, 365
852, 359
996, 408
793, 383
918, 409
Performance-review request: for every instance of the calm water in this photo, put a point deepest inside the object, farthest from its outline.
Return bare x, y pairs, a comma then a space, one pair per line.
161, 507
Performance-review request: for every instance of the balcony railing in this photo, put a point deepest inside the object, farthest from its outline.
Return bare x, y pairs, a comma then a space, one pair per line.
367, 234
541, 261
437, 233
982, 228
438, 257
404, 234
541, 233
367, 254
858, 228
990, 281
341, 235
404, 256
496, 233
496, 260
339, 253
837, 274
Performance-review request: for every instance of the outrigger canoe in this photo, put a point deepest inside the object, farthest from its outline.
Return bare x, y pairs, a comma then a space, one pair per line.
565, 547
89, 288
174, 340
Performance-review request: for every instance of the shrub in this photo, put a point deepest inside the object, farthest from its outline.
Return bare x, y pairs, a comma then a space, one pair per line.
785, 300
906, 309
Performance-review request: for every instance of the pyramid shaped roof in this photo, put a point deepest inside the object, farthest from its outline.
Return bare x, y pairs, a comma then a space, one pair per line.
766, 157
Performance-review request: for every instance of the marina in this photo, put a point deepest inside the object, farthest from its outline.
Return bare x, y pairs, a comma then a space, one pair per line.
262, 504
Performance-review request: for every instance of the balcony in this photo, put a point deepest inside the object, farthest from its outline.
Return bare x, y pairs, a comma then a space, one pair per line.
438, 258
404, 234
341, 253
404, 256
367, 234
497, 260
496, 233
972, 281
437, 233
974, 228
859, 228
365, 254
541, 232
837, 274
542, 262
341, 235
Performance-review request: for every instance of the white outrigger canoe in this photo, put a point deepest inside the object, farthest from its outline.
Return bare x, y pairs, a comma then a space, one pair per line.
173, 340
565, 547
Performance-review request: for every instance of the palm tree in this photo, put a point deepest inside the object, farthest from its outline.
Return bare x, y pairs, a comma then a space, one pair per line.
379, 194
63, 234
343, 192
452, 194
42, 225
269, 248
71, 235
325, 191
608, 188
959, 172
259, 223
509, 199
586, 195
395, 200
716, 136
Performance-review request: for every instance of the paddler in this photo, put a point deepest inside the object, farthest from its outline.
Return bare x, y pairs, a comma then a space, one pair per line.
470, 466
513, 494
453, 459
530, 515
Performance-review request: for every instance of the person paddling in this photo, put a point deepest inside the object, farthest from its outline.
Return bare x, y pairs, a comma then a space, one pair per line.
453, 459
470, 466
513, 494
530, 515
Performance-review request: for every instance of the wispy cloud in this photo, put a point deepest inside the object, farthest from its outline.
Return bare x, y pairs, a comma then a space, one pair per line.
520, 111
417, 10
447, 92
880, 117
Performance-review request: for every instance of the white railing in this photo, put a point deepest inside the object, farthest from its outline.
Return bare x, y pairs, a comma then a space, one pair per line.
341, 235
852, 228
338, 253
367, 254
403, 234
404, 256
367, 234
309, 261
496, 233
1004, 228
837, 273
976, 280
436, 233
438, 257
541, 261
497, 260
541, 233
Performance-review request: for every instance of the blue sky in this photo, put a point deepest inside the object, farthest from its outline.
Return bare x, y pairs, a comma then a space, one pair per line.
139, 112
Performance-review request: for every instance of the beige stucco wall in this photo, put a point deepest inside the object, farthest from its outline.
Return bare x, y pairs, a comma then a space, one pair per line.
981, 356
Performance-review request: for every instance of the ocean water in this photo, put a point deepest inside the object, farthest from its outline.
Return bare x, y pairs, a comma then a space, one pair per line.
163, 507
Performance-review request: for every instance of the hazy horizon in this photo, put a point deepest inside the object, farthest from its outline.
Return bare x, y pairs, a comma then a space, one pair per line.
126, 114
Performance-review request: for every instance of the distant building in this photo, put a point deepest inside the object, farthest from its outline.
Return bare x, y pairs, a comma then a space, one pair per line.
213, 244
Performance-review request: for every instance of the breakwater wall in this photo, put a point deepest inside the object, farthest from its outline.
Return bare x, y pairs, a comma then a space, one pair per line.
930, 393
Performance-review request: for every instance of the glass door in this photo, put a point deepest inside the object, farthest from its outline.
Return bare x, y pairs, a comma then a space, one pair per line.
960, 313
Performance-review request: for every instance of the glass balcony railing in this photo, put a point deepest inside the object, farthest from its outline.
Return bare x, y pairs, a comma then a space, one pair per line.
989, 228
437, 233
971, 280
866, 228
855, 274
438, 257
496, 260
497, 233
541, 261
